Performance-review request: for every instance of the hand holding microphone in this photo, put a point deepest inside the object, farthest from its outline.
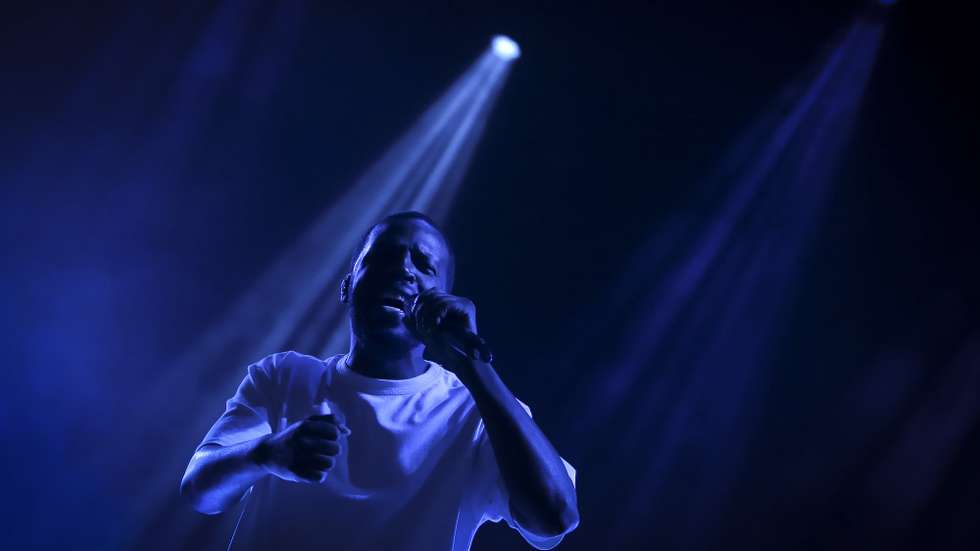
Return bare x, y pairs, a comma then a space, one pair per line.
439, 318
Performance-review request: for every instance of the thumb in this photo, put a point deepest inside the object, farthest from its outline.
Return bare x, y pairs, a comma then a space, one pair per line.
324, 408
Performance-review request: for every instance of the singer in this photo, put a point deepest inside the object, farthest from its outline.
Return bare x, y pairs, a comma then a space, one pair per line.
409, 441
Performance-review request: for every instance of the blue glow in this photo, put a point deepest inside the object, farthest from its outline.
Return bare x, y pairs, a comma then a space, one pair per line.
683, 383
506, 48
292, 304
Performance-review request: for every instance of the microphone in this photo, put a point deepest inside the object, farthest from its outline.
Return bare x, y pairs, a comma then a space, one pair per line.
457, 335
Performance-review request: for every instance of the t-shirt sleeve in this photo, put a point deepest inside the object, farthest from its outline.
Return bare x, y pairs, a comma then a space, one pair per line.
493, 493
246, 415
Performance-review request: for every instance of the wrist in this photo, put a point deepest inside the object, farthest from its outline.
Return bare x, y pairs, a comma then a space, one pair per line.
472, 372
261, 453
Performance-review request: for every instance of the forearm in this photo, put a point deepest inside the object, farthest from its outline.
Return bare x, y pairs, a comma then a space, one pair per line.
218, 476
542, 497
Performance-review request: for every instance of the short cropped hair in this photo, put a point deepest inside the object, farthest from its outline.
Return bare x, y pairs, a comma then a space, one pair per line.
411, 215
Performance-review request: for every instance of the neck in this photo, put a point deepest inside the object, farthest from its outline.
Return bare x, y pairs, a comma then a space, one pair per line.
379, 363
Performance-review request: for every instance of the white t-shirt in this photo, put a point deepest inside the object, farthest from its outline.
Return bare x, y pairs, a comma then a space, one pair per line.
417, 473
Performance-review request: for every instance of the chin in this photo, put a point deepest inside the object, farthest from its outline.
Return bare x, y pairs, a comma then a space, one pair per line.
391, 341
389, 336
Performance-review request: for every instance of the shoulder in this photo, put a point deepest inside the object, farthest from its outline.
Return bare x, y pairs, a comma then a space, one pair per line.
288, 368
448, 379
455, 386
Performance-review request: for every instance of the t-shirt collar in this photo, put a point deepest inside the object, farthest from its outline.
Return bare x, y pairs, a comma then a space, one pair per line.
371, 385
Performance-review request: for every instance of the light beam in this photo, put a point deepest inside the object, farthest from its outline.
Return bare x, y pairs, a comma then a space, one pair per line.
710, 296
293, 305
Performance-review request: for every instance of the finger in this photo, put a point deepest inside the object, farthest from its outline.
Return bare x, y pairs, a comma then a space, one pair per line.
328, 417
323, 462
434, 318
341, 425
321, 429
441, 315
315, 462
310, 475
327, 447
429, 303
331, 419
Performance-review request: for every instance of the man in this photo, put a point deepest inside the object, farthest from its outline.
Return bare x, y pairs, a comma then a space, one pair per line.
381, 448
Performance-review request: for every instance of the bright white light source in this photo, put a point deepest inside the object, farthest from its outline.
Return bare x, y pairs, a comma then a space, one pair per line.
505, 48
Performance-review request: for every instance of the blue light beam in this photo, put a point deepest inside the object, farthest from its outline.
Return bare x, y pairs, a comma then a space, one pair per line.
294, 304
710, 296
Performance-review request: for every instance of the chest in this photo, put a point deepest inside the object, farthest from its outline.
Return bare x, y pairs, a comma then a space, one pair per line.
397, 439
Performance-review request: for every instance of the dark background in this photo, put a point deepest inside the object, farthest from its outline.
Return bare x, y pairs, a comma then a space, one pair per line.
120, 251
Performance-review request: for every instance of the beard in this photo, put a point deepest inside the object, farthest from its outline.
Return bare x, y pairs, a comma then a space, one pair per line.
382, 330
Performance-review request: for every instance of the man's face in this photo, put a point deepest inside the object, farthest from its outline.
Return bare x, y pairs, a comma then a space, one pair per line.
400, 259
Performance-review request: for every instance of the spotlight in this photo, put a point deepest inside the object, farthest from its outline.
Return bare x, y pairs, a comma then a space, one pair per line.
505, 47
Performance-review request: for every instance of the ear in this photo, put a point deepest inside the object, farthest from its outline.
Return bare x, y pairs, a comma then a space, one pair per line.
345, 289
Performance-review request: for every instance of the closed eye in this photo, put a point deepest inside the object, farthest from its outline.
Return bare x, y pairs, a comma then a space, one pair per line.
424, 262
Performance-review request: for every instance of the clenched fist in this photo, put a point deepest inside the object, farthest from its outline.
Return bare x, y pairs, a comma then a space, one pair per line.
434, 308
446, 324
305, 451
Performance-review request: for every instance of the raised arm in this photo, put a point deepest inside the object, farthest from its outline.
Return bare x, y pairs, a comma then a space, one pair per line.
542, 496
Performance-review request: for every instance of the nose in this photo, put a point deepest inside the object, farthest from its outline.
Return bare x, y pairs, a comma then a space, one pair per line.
406, 269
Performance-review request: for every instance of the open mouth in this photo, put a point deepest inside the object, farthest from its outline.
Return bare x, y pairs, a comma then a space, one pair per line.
393, 303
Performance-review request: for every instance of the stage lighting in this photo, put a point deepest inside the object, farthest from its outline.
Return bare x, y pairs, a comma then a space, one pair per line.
505, 48
291, 305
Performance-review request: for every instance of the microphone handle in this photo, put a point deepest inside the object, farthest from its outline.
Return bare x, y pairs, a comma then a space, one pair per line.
473, 345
